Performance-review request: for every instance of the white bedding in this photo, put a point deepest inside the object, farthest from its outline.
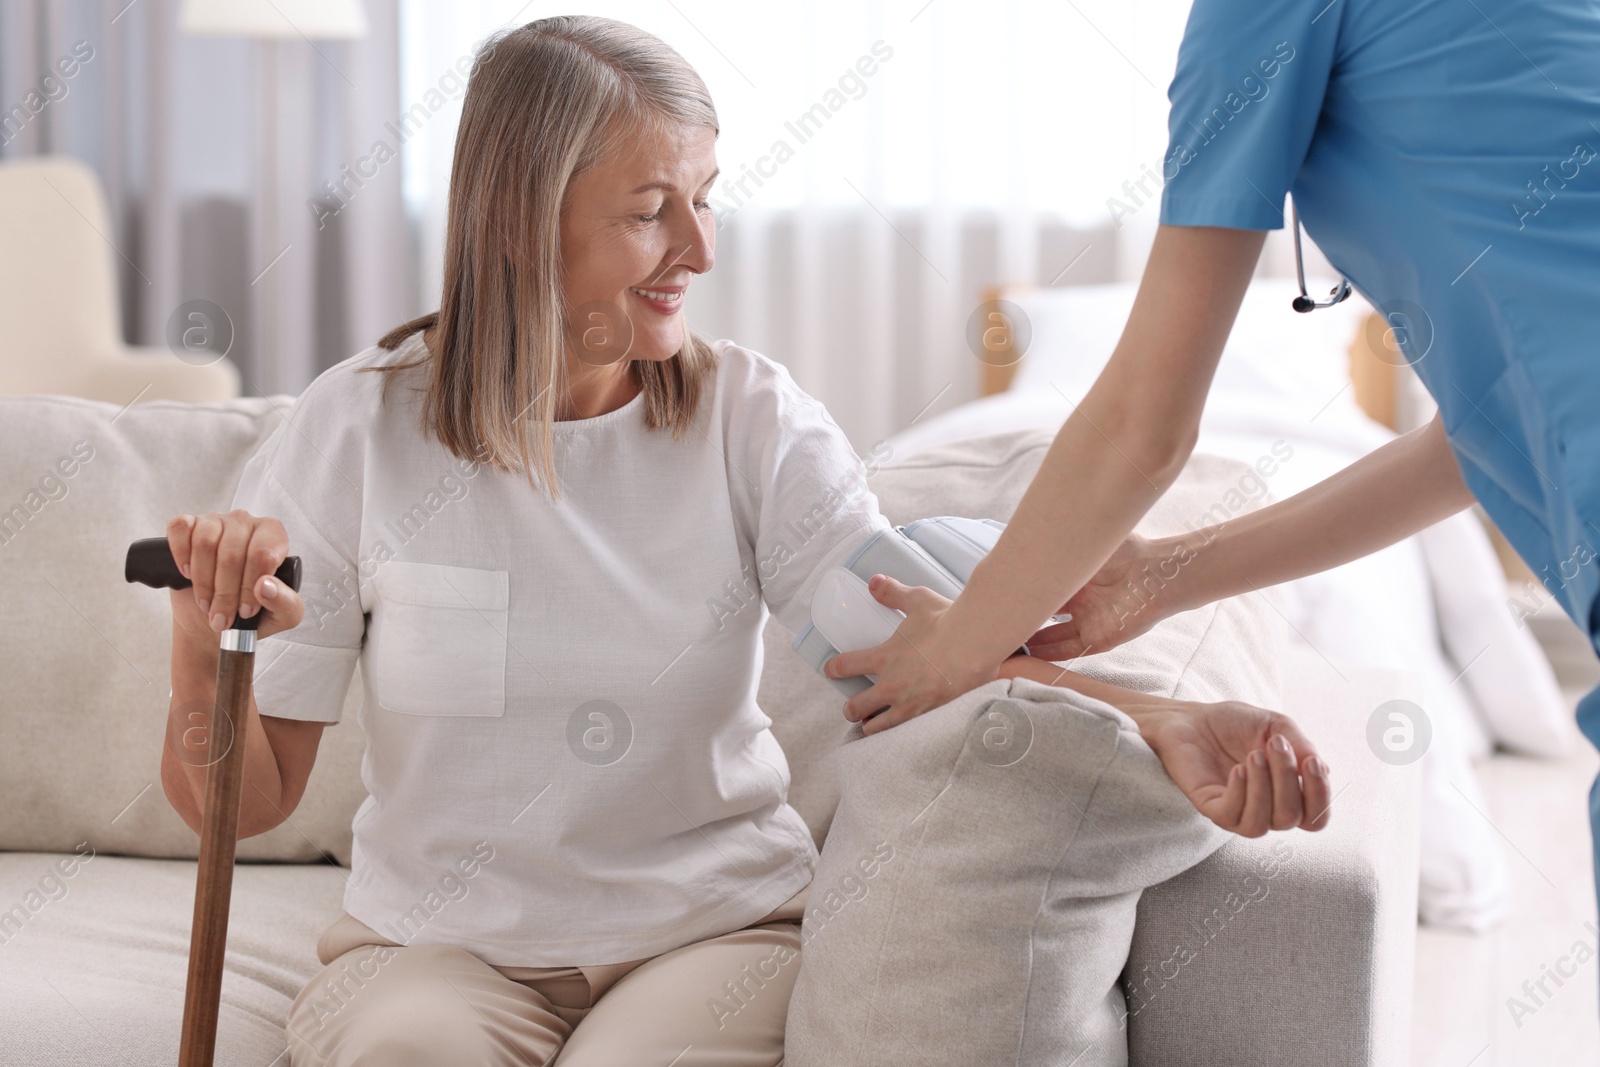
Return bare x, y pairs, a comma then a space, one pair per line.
1282, 397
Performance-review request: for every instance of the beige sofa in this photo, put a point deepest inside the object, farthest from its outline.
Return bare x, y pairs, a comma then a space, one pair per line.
96, 873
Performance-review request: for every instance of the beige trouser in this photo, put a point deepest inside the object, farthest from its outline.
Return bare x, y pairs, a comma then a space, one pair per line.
721, 1002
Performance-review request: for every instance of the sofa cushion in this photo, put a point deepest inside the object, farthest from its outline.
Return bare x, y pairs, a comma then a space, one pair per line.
1034, 868
1224, 651
86, 657
984, 870
96, 960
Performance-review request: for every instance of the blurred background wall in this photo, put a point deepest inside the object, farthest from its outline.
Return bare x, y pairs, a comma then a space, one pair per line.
884, 162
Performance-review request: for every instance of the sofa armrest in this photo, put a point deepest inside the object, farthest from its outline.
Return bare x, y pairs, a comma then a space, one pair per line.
117, 378
1294, 947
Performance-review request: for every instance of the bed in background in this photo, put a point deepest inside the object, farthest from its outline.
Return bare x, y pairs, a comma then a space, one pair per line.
1299, 397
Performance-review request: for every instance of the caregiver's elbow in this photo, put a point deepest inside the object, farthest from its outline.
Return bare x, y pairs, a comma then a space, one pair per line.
1155, 441
1167, 455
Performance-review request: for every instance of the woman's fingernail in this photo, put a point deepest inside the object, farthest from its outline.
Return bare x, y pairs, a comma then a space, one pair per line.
269, 588
1259, 758
1281, 743
219, 621
875, 581
205, 605
247, 610
1321, 766
183, 569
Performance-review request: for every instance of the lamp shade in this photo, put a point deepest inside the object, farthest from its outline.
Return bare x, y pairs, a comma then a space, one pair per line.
274, 18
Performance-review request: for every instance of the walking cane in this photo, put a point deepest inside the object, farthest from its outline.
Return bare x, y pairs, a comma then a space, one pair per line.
150, 562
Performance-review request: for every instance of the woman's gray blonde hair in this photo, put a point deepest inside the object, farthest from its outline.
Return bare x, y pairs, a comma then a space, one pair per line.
544, 103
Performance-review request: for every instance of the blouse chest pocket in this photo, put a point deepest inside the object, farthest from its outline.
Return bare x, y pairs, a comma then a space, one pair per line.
438, 639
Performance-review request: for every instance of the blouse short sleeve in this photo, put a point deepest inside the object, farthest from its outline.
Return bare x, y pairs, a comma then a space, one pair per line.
799, 487
1246, 98
304, 673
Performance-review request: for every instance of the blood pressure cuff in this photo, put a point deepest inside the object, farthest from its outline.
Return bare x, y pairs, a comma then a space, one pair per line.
939, 553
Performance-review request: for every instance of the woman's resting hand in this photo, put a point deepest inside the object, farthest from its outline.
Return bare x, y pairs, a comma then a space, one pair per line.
1246, 769
230, 559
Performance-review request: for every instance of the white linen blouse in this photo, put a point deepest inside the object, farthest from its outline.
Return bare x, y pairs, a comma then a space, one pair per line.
565, 761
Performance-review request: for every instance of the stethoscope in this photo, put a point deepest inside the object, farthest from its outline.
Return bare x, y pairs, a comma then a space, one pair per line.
1303, 302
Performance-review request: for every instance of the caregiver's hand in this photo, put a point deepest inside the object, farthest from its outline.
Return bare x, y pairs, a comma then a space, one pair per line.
922, 650
1246, 769
1131, 593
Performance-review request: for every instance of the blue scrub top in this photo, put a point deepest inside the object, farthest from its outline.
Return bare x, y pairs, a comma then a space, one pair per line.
1445, 155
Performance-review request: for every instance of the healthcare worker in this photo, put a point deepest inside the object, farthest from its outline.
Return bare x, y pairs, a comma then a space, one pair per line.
1445, 155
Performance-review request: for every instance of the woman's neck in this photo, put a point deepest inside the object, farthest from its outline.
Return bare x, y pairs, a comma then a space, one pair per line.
593, 391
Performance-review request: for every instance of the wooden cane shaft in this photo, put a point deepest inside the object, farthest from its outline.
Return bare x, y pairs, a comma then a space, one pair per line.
219, 834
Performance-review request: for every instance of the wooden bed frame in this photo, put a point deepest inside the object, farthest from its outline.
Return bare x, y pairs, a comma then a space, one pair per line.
1374, 377
1373, 373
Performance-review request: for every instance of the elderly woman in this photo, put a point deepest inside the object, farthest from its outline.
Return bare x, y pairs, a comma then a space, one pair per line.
519, 514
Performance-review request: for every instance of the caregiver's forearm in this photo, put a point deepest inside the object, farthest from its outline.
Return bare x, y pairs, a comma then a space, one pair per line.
1121, 448
1406, 486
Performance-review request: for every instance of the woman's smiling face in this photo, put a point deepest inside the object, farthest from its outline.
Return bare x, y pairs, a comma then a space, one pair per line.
634, 229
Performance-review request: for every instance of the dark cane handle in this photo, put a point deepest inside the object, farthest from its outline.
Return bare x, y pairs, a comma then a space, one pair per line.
150, 563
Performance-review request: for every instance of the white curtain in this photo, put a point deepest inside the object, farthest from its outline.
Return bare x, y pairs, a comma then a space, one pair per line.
884, 162
176, 127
